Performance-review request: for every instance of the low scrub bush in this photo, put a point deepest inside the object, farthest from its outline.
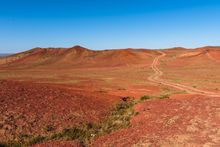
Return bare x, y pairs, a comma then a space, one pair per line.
118, 119
11, 144
164, 96
143, 98
36, 140
49, 128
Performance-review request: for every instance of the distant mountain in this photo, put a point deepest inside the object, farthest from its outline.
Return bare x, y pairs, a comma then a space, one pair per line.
3, 55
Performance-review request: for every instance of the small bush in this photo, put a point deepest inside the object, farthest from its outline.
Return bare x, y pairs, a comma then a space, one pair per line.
164, 96
49, 128
11, 144
121, 88
2, 144
143, 98
102, 91
119, 118
24, 136
56, 136
137, 113
126, 99
76, 133
36, 140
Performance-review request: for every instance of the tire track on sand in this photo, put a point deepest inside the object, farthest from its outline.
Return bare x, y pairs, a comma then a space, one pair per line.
158, 73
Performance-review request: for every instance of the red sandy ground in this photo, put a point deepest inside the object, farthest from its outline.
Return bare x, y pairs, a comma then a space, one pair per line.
27, 108
59, 144
183, 120
198, 68
136, 91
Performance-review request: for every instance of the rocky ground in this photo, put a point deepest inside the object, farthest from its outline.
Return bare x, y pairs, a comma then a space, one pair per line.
182, 120
29, 109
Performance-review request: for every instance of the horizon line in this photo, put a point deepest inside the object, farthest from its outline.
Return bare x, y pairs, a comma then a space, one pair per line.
50, 47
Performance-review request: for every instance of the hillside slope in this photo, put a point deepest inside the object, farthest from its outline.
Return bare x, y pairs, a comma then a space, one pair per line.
209, 52
27, 108
76, 57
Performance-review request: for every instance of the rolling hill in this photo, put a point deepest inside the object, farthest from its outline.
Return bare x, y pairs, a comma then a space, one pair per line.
76, 57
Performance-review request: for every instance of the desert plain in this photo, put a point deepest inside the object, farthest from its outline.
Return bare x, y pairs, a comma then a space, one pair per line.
125, 97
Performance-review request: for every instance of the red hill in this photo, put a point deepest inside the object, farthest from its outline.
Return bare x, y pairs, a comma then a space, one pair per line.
76, 57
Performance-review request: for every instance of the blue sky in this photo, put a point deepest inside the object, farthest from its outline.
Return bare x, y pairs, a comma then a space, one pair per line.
107, 24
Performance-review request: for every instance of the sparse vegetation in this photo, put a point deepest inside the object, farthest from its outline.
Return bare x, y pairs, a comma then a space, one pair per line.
145, 98
165, 96
23, 143
36, 140
121, 88
119, 118
23, 136
11, 144
49, 128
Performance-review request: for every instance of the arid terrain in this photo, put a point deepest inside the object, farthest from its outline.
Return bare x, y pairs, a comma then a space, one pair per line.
126, 97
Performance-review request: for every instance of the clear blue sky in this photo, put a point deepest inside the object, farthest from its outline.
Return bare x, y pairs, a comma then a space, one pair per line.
106, 24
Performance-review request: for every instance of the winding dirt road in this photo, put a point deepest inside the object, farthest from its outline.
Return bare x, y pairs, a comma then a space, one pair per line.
181, 121
158, 73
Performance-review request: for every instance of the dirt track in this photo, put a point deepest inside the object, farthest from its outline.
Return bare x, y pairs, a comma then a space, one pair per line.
182, 120
158, 73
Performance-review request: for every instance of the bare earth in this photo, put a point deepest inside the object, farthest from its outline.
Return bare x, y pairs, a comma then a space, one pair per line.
156, 78
183, 120
36, 90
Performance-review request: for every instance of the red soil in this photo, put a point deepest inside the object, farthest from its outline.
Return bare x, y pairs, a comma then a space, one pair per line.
199, 56
136, 91
28, 108
77, 57
215, 55
59, 144
183, 120
205, 52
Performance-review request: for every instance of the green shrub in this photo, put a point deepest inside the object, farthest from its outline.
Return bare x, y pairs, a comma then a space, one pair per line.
164, 96
36, 140
49, 128
11, 144
56, 136
143, 98
119, 118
